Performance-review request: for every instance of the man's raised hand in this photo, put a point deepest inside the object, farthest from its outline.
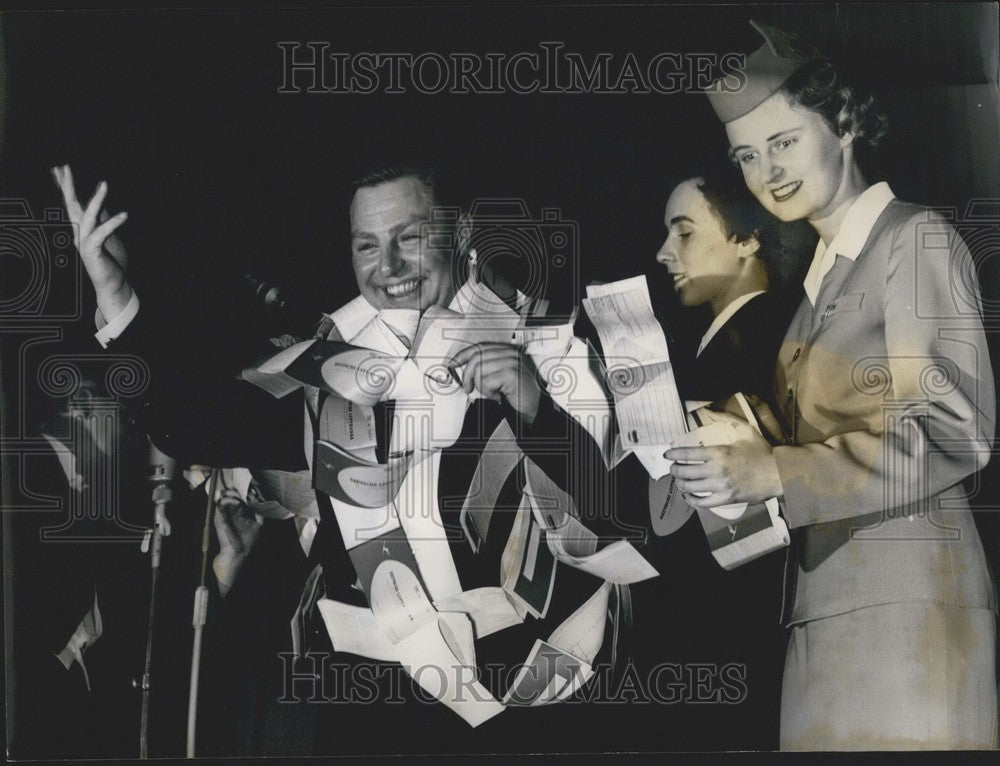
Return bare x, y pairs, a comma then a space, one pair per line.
102, 253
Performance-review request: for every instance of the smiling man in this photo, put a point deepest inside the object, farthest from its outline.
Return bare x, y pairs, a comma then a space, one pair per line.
405, 260
396, 261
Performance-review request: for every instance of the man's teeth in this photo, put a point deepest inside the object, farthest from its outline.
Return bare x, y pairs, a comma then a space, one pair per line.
402, 288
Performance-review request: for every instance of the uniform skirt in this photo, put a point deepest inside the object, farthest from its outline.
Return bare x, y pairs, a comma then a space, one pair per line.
912, 676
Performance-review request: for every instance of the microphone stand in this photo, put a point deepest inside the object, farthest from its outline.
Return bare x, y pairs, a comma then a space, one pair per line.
200, 614
161, 497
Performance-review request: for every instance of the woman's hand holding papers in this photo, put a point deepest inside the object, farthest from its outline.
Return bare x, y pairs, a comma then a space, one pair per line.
742, 472
498, 370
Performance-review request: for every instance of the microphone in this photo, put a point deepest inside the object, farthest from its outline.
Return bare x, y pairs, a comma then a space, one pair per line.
270, 297
283, 313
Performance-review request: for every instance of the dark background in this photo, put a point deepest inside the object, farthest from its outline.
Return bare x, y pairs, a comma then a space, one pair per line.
221, 175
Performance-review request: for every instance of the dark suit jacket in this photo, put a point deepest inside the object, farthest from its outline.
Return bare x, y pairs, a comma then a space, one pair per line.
53, 583
697, 613
742, 355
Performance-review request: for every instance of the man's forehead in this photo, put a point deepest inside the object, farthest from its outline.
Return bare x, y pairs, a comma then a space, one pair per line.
390, 202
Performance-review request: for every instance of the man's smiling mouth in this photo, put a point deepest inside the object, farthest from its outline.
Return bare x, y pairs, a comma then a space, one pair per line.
402, 289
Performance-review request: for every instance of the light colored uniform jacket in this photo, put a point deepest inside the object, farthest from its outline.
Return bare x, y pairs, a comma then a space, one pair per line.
887, 391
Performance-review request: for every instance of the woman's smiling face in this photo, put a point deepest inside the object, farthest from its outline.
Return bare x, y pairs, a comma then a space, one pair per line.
791, 159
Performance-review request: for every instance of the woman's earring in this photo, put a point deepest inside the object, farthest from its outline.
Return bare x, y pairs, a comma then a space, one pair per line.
473, 255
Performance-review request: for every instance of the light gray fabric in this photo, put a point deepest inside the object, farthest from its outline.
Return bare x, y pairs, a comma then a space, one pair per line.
894, 677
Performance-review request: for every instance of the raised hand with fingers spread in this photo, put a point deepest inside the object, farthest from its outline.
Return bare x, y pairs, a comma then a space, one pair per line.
102, 253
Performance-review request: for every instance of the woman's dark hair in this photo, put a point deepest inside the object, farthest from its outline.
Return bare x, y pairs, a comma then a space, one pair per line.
819, 86
784, 247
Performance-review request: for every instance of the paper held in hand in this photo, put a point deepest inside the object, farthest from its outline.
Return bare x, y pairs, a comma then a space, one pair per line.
739, 532
640, 376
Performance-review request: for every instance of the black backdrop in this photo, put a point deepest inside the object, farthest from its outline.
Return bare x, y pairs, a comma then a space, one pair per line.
221, 174
180, 111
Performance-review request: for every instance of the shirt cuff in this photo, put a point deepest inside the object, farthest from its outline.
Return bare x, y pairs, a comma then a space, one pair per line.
108, 331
